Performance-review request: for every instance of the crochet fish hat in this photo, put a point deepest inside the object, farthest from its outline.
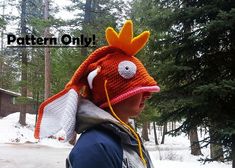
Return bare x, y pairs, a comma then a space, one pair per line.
109, 75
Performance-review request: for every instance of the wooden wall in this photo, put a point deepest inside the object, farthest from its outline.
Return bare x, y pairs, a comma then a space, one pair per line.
7, 107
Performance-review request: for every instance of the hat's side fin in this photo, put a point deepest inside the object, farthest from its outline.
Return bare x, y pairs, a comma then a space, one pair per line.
58, 113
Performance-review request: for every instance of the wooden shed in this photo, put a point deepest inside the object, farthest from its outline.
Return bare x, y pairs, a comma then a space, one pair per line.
8, 103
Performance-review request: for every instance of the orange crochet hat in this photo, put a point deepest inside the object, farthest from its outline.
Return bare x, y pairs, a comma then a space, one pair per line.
111, 71
116, 64
109, 75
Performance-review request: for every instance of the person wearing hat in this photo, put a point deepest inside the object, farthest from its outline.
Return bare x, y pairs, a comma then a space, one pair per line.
107, 89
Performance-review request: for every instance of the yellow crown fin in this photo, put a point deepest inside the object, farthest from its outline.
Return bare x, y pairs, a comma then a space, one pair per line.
111, 35
126, 33
125, 41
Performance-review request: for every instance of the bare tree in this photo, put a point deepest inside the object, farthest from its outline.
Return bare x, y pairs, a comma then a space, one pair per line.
195, 146
3, 28
145, 131
216, 152
24, 64
233, 150
47, 55
2, 33
164, 133
216, 149
72, 141
87, 20
155, 133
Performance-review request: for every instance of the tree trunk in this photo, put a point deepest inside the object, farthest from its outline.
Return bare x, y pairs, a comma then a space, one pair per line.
47, 55
135, 124
24, 62
200, 131
149, 129
155, 134
161, 131
195, 146
216, 150
3, 28
164, 132
73, 140
87, 20
145, 131
233, 150
1, 71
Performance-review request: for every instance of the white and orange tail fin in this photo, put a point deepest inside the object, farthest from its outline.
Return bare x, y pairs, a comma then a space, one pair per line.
58, 113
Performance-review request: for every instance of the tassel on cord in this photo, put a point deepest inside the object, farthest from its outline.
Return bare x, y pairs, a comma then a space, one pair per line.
126, 125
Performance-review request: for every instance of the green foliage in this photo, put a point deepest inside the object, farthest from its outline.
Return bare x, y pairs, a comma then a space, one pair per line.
149, 113
36, 74
65, 61
8, 75
96, 17
2, 23
23, 100
192, 50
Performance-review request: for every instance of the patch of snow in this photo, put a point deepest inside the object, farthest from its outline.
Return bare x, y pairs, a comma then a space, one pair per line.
54, 143
12, 132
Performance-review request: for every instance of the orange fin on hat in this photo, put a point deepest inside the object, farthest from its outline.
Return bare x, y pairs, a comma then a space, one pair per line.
125, 41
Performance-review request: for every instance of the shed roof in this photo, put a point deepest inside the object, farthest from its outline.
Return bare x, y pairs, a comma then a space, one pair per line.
9, 92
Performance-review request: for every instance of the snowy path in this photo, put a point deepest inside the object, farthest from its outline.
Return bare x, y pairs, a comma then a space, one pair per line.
32, 156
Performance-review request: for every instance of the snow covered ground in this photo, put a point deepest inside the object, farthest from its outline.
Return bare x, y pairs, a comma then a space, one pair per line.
25, 155
175, 153
17, 143
12, 132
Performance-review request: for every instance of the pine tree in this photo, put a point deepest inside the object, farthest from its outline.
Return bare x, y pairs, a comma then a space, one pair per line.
24, 63
94, 18
8, 69
192, 50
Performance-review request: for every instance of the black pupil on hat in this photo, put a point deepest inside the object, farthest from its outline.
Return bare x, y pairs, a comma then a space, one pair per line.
127, 68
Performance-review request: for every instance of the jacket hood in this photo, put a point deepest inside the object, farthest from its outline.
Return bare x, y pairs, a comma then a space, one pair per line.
89, 115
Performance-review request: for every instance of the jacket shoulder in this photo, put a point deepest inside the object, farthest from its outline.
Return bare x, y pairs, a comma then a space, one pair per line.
97, 148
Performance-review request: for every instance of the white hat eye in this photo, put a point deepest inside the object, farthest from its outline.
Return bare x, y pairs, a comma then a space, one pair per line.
127, 69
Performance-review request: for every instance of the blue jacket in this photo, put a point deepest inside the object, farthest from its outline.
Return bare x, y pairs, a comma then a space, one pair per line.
96, 148
104, 142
